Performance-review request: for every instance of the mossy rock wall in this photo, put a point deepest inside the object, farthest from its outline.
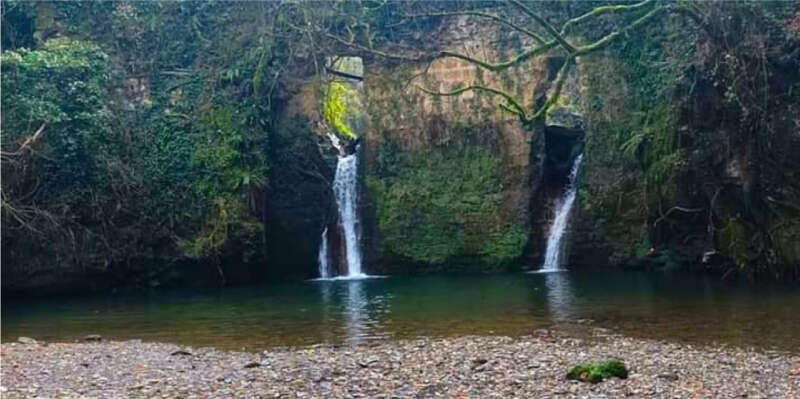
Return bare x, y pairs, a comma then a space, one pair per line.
678, 162
449, 180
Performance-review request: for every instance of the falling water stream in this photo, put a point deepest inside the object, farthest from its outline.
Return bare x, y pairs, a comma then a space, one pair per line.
555, 242
345, 190
324, 269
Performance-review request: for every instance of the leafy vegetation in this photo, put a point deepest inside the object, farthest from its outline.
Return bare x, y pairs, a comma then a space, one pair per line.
136, 140
692, 140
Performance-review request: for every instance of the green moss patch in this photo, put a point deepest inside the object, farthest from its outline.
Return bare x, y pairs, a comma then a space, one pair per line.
435, 206
597, 372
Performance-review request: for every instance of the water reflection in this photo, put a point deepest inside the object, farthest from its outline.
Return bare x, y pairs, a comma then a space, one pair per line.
355, 309
351, 311
337, 312
560, 296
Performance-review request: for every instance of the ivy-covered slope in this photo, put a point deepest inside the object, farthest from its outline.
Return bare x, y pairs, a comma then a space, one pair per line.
688, 145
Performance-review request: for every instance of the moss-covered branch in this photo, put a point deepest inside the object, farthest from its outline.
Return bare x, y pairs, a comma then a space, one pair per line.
559, 85
500, 66
513, 105
598, 11
503, 21
353, 44
546, 25
608, 39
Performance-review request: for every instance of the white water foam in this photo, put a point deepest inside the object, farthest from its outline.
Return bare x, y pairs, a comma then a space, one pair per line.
555, 243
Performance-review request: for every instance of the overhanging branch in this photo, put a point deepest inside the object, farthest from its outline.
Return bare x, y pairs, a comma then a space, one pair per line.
495, 18
500, 66
559, 85
608, 39
343, 74
598, 11
546, 25
512, 106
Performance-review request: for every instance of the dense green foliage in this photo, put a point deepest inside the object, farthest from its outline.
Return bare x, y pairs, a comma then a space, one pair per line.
680, 136
153, 138
58, 161
631, 114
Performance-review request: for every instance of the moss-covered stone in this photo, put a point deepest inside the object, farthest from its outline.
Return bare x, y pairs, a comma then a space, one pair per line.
597, 372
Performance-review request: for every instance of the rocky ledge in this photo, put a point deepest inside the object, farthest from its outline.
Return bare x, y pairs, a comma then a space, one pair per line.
465, 367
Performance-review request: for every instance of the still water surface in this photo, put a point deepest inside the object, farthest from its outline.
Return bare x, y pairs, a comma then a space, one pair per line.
680, 307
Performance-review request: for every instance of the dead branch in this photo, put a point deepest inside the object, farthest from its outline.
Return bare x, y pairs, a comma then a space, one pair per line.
675, 208
30, 140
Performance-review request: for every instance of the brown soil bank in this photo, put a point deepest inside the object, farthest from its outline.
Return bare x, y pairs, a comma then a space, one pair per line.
474, 367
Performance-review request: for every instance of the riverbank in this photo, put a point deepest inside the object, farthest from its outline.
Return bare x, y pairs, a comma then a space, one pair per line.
479, 367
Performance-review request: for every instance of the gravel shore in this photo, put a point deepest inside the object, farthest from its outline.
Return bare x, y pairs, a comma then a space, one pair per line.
465, 367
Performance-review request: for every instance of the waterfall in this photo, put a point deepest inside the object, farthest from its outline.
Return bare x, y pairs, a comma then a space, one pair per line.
345, 188
323, 256
555, 246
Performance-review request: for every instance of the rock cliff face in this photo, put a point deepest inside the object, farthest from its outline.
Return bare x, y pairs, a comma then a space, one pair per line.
299, 202
449, 180
449, 183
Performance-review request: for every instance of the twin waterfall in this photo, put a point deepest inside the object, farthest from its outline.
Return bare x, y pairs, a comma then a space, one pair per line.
345, 189
555, 245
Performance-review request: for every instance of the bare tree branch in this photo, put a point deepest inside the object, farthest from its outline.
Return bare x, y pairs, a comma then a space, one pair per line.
30, 140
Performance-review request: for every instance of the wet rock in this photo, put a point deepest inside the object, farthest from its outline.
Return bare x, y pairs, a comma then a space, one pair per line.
668, 376
484, 367
366, 363
478, 362
27, 341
